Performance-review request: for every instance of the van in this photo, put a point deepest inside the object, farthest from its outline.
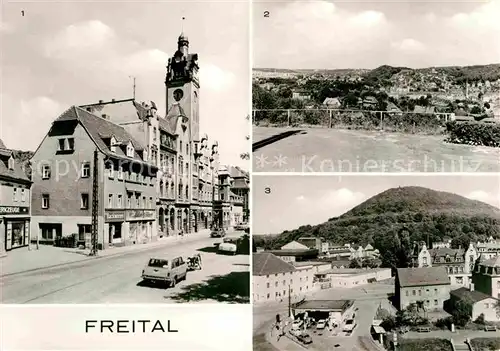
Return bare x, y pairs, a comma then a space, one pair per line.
169, 271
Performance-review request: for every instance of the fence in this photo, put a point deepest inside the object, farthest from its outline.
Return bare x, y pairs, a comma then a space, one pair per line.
409, 122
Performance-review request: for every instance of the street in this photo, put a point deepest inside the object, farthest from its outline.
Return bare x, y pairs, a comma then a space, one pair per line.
117, 279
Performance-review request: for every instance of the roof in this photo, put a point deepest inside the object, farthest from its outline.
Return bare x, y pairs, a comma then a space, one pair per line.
338, 263
422, 109
237, 172
492, 262
422, 276
15, 174
474, 295
444, 251
294, 245
353, 271
392, 107
292, 252
331, 101
310, 263
338, 305
265, 263
99, 129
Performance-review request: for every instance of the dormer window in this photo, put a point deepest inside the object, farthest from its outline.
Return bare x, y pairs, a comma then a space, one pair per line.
130, 150
10, 163
112, 145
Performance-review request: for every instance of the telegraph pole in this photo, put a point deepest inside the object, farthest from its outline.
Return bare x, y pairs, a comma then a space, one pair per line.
95, 205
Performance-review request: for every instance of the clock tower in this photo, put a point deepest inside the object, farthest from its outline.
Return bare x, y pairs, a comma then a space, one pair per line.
183, 87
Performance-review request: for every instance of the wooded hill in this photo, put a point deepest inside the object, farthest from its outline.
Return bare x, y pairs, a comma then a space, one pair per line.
422, 213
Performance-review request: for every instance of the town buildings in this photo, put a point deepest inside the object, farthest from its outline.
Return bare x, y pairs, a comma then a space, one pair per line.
486, 276
276, 280
458, 263
348, 278
79, 148
15, 203
489, 248
428, 285
156, 174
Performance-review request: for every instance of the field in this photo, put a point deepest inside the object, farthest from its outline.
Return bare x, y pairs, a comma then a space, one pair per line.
426, 345
336, 150
486, 344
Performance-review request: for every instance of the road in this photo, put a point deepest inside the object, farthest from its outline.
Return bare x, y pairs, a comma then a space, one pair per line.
335, 150
116, 279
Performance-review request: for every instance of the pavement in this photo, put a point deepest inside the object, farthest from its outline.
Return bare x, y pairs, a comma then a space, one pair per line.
115, 276
336, 150
458, 337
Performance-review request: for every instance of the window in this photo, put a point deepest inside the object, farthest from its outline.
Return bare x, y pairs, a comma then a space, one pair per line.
407, 293
120, 173
486, 305
414, 292
82, 230
45, 172
129, 201
276, 284
420, 293
71, 144
143, 203
111, 171
85, 170
154, 134
435, 302
435, 291
110, 201
45, 201
11, 163
23, 195
180, 146
425, 260
150, 202
119, 201
14, 196
84, 203
130, 151
268, 285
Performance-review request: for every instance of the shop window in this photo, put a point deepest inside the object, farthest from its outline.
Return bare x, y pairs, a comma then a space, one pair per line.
83, 229
19, 233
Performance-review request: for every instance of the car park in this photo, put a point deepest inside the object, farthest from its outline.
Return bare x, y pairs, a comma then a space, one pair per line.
166, 270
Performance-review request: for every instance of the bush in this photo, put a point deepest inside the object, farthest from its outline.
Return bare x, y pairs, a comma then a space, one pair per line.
474, 133
480, 319
444, 323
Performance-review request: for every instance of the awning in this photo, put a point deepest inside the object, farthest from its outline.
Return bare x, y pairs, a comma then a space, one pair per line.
378, 329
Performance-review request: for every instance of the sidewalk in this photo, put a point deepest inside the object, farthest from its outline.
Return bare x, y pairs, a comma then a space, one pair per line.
49, 256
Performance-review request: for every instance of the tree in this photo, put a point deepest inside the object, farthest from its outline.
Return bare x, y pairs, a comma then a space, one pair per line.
356, 263
475, 110
461, 312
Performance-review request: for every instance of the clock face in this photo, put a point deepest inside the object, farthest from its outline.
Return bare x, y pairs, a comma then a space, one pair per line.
178, 94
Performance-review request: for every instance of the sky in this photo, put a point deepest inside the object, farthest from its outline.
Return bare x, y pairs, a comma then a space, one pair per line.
368, 34
60, 54
293, 201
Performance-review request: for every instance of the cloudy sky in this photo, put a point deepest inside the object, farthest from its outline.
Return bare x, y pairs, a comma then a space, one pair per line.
71, 53
299, 200
367, 34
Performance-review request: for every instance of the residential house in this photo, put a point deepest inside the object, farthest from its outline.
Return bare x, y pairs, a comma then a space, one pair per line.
478, 302
93, 151
232, 204
295, 255
241, 187
458, 263
311, 242
393, 109
430, 285
332, 103
370, 102
486, 276
15, 203
276, 280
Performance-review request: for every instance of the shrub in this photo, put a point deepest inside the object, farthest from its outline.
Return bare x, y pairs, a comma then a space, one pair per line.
480, 319
443, 323
474, 133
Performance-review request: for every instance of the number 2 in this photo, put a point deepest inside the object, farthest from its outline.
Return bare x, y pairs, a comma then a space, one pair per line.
266, 13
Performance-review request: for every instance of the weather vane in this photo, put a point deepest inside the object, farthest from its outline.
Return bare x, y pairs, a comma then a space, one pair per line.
182, 24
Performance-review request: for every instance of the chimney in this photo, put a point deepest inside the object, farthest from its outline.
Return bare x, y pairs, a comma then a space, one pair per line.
105, 116
113, 100
471, 286
101, 101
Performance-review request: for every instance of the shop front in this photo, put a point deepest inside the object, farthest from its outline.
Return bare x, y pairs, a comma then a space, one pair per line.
114, 222
14, 227
141, 228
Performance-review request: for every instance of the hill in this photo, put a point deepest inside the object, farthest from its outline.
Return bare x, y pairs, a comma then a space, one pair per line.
427, 215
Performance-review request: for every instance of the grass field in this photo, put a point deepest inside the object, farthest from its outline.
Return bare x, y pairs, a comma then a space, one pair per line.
335, 150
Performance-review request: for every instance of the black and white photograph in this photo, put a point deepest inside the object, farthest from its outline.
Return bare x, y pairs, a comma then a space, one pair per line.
376, 262
376, 86
124, 152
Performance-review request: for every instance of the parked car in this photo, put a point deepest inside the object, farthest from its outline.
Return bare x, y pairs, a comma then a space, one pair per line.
321, 324
227, 248
241, 226
304, 338
167, 270
349, 325
218, 233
